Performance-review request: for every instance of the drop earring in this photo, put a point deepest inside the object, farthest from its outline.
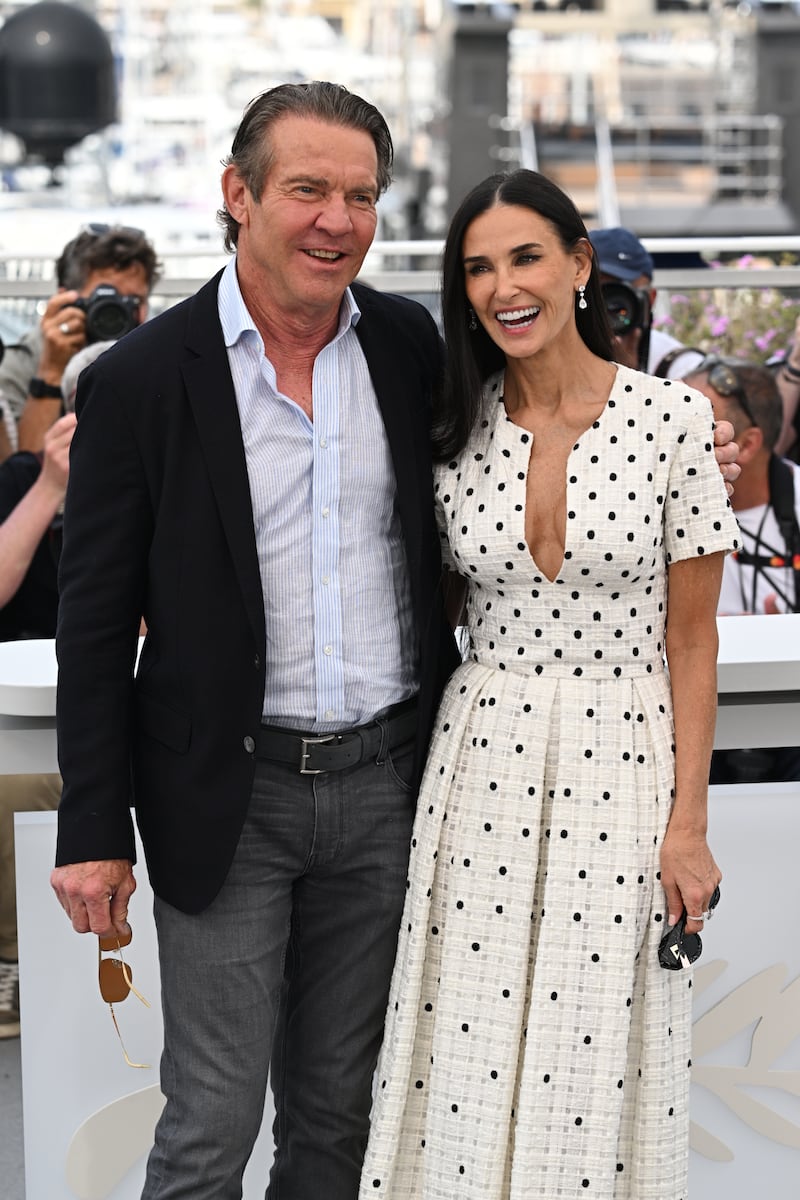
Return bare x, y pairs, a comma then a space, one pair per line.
473, 320
582, 303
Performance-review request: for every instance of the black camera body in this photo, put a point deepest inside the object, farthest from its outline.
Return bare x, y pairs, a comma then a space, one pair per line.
109, 314
629, 308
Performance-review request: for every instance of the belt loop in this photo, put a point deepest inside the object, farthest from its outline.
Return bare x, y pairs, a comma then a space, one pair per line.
383, 747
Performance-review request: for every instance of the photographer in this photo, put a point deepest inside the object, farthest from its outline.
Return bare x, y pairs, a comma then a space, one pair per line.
763, 575
32, 489
122, 263
626, 275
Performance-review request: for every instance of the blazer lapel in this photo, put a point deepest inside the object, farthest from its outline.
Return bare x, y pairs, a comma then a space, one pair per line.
209, 387
391, 381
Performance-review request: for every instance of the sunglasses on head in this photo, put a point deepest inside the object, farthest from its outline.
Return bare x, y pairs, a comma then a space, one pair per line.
99, 229
724, 379
116, 981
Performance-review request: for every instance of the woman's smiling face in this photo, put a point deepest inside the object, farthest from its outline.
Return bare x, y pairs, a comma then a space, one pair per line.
520, 280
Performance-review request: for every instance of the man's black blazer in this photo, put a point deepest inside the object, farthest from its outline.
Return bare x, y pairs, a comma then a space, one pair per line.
159, 523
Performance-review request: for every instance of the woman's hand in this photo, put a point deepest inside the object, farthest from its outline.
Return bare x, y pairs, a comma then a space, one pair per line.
688, 875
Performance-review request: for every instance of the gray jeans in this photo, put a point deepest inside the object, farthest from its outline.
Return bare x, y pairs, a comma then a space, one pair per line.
288, 968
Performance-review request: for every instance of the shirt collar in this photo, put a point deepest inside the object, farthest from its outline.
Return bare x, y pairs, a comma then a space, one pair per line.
235, 317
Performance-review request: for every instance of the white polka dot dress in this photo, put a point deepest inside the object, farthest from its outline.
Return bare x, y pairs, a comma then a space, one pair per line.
534, 1048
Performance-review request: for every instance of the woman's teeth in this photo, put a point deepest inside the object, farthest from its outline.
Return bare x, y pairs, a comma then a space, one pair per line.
520, 316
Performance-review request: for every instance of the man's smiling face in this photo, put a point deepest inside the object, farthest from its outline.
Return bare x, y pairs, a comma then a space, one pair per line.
304, 240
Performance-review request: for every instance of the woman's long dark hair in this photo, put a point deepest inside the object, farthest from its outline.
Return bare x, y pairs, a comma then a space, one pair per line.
472, 356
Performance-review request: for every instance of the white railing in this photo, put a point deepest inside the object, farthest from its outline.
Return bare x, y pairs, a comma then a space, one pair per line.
410, 268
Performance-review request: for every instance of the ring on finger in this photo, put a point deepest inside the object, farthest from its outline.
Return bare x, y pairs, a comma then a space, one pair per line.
701, 917
64, 327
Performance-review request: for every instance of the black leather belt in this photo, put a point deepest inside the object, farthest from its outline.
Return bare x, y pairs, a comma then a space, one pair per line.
314, 753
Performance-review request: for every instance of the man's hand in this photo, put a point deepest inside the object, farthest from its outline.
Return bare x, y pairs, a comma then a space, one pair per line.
63, 334
95, 895
726, 451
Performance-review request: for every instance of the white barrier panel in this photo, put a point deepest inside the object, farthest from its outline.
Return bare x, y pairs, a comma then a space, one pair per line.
758, 672
27, 707
89, 1118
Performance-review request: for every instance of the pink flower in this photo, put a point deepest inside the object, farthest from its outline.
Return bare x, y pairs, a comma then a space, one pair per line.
719, 326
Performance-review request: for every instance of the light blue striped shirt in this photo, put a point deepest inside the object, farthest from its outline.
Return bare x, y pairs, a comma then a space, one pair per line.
341, 643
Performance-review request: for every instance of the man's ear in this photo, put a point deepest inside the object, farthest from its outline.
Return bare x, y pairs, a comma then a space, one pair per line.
750, 442
234, 193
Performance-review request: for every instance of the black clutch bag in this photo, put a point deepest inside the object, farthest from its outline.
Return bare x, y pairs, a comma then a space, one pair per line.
679, 949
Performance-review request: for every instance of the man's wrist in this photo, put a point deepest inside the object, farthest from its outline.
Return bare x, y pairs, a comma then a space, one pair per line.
40, 389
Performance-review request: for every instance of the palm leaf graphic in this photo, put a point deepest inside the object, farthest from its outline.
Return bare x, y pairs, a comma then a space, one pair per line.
775, 1010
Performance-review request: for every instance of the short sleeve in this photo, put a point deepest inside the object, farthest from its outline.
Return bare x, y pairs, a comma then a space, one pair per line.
698, 518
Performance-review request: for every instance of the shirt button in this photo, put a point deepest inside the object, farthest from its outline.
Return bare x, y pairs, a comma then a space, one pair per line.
326, 579
329, 714
249, 744
323, 442
328, 649
326, 512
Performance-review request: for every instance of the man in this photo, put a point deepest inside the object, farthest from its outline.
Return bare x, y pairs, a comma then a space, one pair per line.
252, 472
32, 370
764, 575
622, 258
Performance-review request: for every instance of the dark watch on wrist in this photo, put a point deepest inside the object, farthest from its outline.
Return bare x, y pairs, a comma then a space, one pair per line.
39, 390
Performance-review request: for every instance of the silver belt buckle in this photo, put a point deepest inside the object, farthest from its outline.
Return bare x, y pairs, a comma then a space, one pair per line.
305, 752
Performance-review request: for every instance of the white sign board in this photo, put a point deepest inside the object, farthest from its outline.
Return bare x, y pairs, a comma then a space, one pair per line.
89, 1118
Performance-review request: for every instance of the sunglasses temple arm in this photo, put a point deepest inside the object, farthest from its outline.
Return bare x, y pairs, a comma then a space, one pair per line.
131, 988
138, 1066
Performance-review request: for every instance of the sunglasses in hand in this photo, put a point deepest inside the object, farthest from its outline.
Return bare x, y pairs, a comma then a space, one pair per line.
679, 949
116, 981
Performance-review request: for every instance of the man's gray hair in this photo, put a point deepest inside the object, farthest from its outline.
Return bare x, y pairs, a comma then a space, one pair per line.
763, 400
251, 152
79, 360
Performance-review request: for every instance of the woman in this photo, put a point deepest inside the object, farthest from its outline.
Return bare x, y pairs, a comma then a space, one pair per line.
534, 1047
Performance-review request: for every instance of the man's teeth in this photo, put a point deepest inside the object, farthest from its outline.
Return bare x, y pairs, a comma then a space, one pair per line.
327, 254
519, 315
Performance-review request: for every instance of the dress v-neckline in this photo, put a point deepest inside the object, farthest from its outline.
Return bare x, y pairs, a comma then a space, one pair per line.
524, 434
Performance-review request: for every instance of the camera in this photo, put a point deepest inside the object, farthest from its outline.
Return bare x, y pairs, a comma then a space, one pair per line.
109, 314
628, 309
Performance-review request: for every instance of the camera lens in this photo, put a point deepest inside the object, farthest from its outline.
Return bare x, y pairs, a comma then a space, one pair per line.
109, 314
623, 306
109, 321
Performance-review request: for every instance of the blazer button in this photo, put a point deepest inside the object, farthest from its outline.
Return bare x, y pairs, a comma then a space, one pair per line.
249, 744
257, 661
